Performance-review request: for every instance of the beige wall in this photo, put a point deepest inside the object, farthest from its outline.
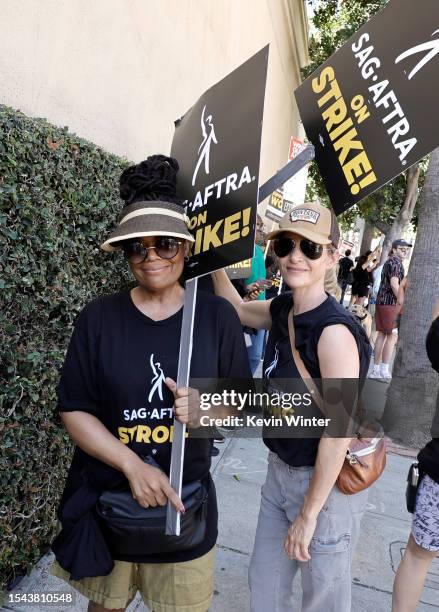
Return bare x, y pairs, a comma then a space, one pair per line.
118, 72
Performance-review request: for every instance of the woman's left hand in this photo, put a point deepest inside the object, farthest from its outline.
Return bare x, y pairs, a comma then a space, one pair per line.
186, 404
252, 295
299, 537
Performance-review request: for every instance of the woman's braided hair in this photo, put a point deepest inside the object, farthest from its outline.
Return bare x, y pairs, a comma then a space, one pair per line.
152, 179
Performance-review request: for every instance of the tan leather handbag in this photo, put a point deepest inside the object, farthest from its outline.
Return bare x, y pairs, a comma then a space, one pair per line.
366, 457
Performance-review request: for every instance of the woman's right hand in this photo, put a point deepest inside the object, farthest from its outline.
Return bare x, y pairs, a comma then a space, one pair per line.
150, 486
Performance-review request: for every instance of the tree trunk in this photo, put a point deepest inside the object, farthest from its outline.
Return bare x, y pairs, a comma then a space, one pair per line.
367, 237
405, 214
411, 397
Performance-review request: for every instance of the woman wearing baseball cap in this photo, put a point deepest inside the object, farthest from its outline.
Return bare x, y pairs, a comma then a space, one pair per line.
305, 522
117, 398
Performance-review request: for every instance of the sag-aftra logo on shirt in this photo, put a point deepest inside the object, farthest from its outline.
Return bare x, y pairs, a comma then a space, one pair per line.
157, 380
150, 434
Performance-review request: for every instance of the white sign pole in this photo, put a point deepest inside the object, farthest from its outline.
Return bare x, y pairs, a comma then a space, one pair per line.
184, 366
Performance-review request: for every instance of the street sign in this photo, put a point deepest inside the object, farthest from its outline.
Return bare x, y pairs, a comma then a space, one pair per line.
288, 205
217, 144
242, 269
370, 110
295, 188
278, 206
274, 207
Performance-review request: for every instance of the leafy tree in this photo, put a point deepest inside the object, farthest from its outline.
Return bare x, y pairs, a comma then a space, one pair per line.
411, 398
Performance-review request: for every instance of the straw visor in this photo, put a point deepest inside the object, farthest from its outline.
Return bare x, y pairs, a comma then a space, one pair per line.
310, 220
152, 218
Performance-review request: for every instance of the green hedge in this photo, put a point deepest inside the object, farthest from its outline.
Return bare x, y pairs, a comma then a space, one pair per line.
58, 197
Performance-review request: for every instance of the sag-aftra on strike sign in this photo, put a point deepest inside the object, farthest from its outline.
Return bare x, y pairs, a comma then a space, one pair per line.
371, 109
217, 144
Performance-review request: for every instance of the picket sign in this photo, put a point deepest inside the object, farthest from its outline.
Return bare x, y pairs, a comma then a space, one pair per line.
370, 109
187, 328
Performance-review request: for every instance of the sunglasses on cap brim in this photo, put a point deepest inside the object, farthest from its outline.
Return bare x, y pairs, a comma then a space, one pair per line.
284, 245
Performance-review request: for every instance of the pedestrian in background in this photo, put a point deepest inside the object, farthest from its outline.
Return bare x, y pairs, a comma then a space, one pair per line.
256, 290
387, 309
345, 265
376, 282
363, 280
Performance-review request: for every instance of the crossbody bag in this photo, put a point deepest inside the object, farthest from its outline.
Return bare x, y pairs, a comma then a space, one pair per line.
131, 530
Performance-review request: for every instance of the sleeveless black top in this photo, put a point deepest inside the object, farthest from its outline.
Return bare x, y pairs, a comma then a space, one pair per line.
279, 363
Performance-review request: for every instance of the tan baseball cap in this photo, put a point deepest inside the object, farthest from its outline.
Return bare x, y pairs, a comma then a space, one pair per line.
310, 220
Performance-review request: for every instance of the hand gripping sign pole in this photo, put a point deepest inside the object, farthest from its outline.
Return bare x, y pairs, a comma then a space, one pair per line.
184, 359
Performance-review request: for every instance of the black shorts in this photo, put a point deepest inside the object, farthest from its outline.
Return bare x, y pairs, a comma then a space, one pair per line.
360, 290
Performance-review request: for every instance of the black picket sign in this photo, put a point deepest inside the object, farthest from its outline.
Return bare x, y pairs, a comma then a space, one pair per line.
217, 144
370, 109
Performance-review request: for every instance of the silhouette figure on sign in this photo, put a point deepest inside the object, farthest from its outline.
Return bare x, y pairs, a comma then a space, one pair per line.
208, 131
432, 46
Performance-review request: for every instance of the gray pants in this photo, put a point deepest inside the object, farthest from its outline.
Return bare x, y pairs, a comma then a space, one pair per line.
326, 578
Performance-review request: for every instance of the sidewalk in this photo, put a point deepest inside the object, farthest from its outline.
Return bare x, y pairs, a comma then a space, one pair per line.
239, 472
385, 530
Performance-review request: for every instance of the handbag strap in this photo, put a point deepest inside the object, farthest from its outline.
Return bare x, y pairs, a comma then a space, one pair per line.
304, 374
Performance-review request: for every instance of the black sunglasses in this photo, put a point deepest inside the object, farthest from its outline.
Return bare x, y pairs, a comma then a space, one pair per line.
283, 246
136, 252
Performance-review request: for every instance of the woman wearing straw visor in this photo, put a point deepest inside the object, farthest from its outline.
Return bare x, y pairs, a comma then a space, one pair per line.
118, 398
305, 522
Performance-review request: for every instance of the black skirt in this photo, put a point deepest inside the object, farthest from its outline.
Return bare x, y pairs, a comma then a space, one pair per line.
360, 289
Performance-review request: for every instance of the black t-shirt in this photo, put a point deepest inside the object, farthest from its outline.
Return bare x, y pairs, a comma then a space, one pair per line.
115, 369
429, 455
344, 266
279, 362
362, 278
